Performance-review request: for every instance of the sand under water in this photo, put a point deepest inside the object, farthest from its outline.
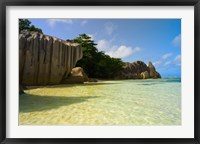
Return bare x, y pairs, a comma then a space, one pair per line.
119, 102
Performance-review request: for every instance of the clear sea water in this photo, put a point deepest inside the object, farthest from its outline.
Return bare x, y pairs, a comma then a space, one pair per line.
119, 102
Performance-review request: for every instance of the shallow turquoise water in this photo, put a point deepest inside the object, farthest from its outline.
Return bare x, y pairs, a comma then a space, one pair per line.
121, 102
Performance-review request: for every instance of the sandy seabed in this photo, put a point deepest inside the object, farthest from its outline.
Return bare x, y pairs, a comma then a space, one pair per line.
124, 102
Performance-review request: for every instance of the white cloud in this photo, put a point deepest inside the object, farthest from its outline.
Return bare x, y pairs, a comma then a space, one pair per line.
167, 63
116, 51
177, 59
167, 55
103, 45
157, 63
91, 35
110, 27
177, 41
52, 22
163, 60
136, 49
84, 22
122, 51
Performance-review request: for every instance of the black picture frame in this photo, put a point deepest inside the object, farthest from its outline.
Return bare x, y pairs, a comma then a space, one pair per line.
5, 3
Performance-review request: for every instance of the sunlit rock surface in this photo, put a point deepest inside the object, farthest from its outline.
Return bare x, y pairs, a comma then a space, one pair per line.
45, 59
77, 75
138, 70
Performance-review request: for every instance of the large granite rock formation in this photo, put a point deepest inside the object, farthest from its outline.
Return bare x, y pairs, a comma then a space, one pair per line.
152, 71
137, 70
77, 75
44, 59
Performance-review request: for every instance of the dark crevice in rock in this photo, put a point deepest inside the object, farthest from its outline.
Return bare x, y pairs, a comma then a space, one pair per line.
50, 62
45, 52
59, 45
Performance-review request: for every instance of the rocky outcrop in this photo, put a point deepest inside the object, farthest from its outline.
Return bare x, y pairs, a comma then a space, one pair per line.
45, 60
145, 75
77, 75
137, 70
152, 71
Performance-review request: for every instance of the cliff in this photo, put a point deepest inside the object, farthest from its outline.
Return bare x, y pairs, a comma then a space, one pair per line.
44, 59
137, 70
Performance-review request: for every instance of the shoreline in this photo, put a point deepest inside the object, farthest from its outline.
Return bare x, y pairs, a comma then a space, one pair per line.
91, 83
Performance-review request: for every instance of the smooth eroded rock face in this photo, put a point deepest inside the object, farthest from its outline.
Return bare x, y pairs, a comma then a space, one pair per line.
77, 75
138, 70
145, 75
152, 71
44, 59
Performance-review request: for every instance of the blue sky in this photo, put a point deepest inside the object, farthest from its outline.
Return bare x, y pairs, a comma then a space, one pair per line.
155, 40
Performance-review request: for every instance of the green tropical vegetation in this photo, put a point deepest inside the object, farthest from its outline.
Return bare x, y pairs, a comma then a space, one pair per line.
96, 63
25, 24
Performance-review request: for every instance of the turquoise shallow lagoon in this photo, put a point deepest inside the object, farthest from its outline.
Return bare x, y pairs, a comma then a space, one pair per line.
118, 102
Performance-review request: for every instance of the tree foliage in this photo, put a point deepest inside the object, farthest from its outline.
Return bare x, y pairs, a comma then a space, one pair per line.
25, 24
96, 63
